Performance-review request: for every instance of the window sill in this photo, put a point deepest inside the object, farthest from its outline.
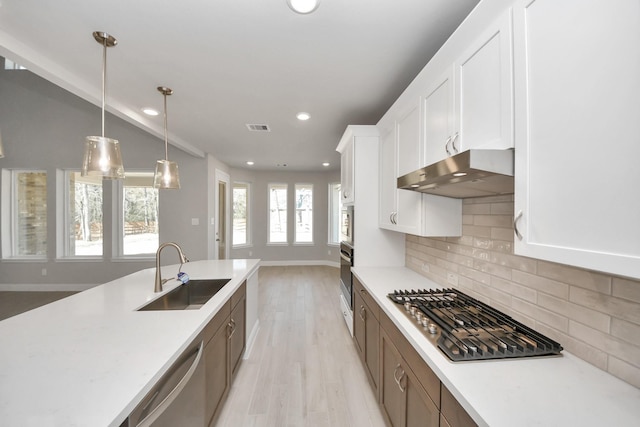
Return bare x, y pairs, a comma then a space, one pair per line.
278, 244
81, 259
134, 258
246, 245
21, 259
304, 244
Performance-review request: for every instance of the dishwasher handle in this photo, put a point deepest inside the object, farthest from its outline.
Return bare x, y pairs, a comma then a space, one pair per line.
157, 411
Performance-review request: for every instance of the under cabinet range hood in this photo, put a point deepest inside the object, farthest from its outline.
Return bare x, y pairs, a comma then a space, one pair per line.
472, 173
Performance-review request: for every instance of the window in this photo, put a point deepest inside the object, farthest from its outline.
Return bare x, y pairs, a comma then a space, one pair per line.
24, 217
277, 213
10, 65
334, 213
83, 215
138, 215
240, 214
304, 213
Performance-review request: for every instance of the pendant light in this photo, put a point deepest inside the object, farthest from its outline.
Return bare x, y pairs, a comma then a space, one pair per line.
166, 176
102, 155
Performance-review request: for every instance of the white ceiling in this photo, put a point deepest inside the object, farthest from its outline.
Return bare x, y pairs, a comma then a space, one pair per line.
233, 62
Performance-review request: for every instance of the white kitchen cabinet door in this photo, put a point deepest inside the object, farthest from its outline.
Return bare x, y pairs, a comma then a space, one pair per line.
387, 185
577, 88
438, 118
347, 170
484, 90
408, 139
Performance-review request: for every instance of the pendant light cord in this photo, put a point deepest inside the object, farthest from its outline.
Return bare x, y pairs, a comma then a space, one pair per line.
104, 79
166, 137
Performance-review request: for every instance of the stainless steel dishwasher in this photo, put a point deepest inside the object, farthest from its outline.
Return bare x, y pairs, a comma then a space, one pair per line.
178, 399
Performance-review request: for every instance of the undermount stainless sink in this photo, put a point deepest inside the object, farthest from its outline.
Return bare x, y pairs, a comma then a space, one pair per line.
190, 296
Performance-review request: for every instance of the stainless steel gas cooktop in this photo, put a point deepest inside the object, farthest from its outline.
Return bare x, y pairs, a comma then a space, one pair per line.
467, 329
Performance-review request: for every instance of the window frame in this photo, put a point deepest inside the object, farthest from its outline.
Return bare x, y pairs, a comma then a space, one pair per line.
118, 220
248, 229
10, 215
64, 220
286, 231
295, 213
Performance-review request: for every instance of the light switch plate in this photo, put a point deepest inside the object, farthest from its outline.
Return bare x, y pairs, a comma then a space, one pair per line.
195, 221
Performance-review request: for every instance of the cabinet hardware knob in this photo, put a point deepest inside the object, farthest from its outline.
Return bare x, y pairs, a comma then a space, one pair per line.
515, 225
446, 145
363, 313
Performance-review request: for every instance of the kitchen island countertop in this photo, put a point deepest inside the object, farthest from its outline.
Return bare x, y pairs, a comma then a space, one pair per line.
545, 391
88, 359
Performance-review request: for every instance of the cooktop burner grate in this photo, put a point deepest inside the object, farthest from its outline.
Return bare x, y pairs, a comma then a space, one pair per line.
467, 329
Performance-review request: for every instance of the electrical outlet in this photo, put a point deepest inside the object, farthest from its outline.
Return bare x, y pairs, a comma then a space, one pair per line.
44, 271
250, 253
195, 221
425, 267
452, 278
329, 251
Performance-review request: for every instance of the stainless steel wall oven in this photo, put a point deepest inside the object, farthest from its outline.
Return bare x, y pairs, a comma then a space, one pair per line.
346, 279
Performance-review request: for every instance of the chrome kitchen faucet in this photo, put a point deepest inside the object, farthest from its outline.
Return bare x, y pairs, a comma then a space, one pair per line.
183, 259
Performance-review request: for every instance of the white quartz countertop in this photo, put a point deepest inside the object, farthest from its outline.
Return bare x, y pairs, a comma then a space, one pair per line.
546, 391
88, 360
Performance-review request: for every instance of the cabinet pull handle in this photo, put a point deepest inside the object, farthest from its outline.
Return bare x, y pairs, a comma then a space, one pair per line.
363, 313
232, 328
515, 225
453, 142
399, 379
446, 145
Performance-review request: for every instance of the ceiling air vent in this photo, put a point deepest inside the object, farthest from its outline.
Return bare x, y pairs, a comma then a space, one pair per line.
258, 128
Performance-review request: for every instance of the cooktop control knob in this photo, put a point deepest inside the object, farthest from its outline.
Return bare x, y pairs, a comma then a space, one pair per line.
419, 317
433, 329
407, 306
412, 310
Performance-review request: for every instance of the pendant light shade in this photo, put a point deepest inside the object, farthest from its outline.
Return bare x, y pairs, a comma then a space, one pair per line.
166, 176
102, 155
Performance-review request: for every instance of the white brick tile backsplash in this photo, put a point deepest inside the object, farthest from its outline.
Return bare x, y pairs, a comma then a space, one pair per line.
593, 315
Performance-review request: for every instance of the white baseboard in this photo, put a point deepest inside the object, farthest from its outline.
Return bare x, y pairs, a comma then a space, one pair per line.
299, 262
47, 287
251, 339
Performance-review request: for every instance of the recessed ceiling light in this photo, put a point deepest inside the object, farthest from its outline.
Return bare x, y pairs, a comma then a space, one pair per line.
303, 116
150, 111
250, 163
303, 6
460, 174
325, 164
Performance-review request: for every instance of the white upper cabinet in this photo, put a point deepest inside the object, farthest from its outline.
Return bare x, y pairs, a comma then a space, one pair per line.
439, 118
347, 170
469, 104
577, 75
408, 211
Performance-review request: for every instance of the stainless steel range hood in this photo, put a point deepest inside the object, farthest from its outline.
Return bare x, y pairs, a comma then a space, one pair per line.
472, 173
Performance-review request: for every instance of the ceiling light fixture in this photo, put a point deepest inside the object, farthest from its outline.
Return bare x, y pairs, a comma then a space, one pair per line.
303, 116
166, 177
326, 164
102, 155
150, 111
250, 163
303, 6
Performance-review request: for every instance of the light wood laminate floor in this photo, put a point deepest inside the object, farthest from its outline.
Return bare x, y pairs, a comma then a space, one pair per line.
303, 369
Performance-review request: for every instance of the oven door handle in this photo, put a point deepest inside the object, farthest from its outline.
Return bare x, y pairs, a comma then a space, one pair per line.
344, 257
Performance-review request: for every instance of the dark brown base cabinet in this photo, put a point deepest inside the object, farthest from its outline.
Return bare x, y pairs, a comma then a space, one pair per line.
224, 345
366, 332
408, 391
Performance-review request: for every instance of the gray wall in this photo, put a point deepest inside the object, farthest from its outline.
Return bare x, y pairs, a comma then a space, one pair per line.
320, 252
43, 127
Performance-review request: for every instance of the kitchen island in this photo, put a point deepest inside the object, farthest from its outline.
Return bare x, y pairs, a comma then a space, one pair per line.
546, 391
89, 359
